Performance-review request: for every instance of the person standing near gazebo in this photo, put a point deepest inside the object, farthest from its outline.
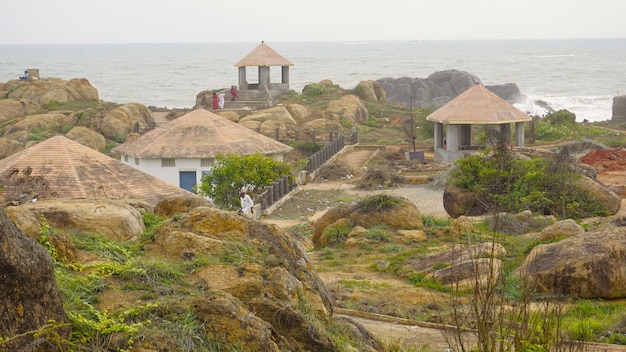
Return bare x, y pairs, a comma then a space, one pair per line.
233, 93
220, 100
215, 104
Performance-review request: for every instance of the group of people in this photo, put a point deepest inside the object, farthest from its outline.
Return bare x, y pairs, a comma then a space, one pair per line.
218, 99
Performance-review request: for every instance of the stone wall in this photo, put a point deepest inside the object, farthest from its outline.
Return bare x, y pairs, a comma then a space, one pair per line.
619, 109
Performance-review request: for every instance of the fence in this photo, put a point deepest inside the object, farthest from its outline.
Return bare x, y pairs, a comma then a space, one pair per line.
284, 185
306, 135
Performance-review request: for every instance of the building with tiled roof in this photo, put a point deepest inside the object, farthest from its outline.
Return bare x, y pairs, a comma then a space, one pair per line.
476, 106
71, 170
183, 150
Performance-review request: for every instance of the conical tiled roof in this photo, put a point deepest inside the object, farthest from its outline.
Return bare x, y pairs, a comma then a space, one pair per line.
74, 171
478, 106
200, 134
263, 55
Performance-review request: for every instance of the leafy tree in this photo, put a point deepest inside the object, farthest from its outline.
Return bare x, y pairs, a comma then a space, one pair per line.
232, 173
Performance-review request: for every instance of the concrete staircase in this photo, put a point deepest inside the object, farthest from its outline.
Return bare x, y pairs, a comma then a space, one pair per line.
247, 100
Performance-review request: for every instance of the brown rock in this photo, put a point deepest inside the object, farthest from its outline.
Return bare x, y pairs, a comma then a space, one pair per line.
12, 108
457, 202
300, 113
371, 91
402, 216
179, 204
88, 137
268, 120
564, 228
111, 218
121, 121
348, 107
589, 265
47, 90
29, 296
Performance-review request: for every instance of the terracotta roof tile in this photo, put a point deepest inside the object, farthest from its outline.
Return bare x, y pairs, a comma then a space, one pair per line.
478, 106
75, 171
200, 134
263, 55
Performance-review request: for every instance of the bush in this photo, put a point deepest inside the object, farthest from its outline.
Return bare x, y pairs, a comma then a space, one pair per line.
505, 183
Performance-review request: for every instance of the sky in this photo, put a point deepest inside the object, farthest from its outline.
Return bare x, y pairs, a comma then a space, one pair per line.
210, 21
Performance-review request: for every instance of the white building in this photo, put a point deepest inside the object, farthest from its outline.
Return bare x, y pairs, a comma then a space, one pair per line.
183, 150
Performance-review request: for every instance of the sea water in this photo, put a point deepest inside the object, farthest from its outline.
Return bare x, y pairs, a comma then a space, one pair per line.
581, 75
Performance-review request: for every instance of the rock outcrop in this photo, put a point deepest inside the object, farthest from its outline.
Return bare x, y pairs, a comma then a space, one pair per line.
348, 107
87, 137
589, 265
267, 121
121, 121
401, 216
29, 296
439, 88
50, 90
371, 91
112, 218
252, 301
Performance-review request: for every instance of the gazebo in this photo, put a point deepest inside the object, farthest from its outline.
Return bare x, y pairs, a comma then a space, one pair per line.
264, 57
476, 106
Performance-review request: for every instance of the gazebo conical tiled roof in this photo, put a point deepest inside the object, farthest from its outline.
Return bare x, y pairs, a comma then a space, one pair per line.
476, 106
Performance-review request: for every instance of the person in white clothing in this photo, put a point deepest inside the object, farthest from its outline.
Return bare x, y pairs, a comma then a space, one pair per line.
220, 100
246, 203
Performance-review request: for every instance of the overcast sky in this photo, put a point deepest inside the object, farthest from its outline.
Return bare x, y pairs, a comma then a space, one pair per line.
166, 21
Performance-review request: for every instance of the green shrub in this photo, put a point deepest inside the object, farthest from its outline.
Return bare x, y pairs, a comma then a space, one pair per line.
314, 90
380, 202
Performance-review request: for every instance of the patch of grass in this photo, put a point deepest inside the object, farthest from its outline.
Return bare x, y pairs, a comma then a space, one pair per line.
380, 202
433, 221
379, 233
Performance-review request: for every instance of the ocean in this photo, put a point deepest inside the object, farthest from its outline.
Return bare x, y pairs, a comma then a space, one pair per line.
580, 75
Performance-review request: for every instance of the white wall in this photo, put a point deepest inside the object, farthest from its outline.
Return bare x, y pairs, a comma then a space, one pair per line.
171, 174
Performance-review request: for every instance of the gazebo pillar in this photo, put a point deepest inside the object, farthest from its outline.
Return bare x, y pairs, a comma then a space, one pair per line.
285, 75
438, 135
452, 138
505, 132
519, 134
465, 137
243, 83
264, 76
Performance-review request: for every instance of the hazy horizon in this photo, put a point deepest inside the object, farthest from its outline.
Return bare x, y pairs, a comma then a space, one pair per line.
249, 21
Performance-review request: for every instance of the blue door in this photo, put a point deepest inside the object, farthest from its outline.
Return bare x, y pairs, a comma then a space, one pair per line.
187, 180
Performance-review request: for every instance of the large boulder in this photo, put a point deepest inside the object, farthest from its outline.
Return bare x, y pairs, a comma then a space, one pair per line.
371, 91
29, 296
48, 123
300, 113
590, 265
509, 92
458, 202
88, 137
439, 88
619, 109
11, 108
48, 90
349, 107
114, 219
117, 123
268, 120
401, 216
464, 266
173, 205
